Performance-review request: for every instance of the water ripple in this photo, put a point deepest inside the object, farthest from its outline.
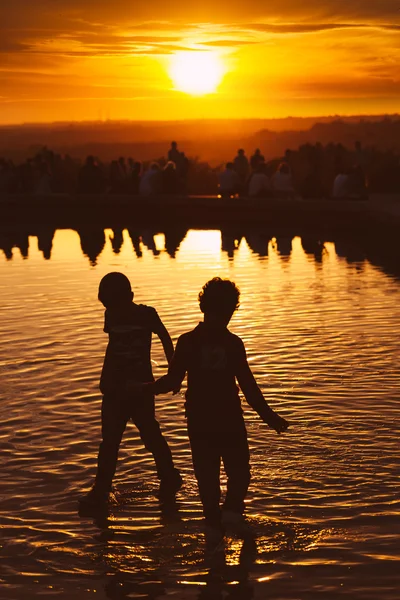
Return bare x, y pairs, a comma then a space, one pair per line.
322, 340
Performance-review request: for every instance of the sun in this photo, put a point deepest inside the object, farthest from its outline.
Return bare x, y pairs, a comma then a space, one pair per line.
197, 72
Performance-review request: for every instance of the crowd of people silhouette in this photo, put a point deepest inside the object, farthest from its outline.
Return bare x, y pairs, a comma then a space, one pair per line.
312, 171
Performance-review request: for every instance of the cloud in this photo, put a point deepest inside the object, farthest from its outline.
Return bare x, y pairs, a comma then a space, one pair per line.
77, 36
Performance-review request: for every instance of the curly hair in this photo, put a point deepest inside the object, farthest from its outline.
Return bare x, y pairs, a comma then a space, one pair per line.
219, 295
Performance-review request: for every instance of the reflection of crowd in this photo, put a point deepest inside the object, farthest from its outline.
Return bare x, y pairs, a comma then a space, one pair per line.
260, 242
92, 240
312, 171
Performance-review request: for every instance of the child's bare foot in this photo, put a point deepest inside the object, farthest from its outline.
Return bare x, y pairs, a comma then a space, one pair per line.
169, 486
235, 522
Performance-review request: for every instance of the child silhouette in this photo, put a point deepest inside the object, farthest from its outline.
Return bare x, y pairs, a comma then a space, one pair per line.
214, 358
130, 327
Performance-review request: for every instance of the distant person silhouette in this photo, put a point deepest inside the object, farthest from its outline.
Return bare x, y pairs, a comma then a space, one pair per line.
259, 185
241, 166
122, 166
213, 359
43, 180
174, 154
90, 177
257, 242
22, 243
149, 242
312, 245
136, 242
228, 181
284, 245
130, 327
92, 242
134, 177
230, 240
45, 237
356, 184
282, 182
170, 179
174, 236
341, 184
256, 159
7, 244
6, 176
361, 155
151, 181
117, 239
311, 186
183, 167
123, 176
114, 177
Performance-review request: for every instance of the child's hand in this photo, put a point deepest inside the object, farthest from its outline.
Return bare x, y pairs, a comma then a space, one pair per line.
278, 423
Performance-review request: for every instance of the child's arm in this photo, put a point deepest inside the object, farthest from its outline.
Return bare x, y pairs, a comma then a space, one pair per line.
176, 373
254, 395
166, 341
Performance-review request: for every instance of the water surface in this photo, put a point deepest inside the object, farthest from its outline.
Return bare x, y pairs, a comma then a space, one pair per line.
320, 324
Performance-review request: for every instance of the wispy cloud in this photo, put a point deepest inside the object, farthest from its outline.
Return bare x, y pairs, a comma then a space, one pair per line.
81, 38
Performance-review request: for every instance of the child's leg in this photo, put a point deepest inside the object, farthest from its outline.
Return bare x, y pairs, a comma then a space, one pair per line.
143, 416
114, 416
206, 463
235, 456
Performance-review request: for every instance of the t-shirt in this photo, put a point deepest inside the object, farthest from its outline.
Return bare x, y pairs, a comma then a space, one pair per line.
213, 361
259, 183
282, 182
150, 183
241, 165
228, 181
340, 186
128, 351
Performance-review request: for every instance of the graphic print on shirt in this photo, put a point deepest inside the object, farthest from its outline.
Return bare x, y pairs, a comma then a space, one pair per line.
129, 346
213, 357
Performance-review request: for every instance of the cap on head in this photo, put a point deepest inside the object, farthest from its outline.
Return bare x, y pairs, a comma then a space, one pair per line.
114, 289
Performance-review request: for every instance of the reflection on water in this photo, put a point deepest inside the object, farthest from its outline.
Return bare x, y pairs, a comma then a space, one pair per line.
318, 318
259, 241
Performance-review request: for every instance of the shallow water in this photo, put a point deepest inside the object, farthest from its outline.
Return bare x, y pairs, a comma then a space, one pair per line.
321, 332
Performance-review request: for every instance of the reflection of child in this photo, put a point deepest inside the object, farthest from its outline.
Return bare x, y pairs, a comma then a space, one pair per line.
214, 358
130, 327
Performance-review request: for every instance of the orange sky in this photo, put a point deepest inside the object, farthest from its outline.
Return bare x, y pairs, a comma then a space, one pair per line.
89, 59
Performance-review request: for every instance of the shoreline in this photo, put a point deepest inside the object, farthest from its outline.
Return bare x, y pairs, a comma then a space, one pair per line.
63, 210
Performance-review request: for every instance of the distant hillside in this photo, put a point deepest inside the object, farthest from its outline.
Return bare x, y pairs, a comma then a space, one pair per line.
210, 140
